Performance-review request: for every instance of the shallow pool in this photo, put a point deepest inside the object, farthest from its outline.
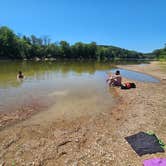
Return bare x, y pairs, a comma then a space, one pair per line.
136, 76
73, 87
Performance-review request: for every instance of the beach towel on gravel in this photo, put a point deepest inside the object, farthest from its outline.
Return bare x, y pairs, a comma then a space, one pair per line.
128, 85
144, 143
155, 162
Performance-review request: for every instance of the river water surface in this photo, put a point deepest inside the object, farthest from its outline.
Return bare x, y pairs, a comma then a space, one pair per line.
66, 88
72, 88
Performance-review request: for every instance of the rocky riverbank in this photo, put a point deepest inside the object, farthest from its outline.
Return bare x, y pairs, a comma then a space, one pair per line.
92, 140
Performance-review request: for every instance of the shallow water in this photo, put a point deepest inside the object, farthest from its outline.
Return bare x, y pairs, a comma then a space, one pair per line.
70, 86
136, 75
68, 89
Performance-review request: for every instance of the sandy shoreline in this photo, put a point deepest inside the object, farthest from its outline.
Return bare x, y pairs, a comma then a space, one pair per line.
93, 140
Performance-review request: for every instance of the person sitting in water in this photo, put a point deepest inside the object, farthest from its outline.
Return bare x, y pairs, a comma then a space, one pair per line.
115, 80
20, 75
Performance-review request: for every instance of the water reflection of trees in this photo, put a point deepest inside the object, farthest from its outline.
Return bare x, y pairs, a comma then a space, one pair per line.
31, 69
40, 70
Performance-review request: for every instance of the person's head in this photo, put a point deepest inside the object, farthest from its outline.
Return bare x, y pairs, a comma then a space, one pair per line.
117, 72
20, 72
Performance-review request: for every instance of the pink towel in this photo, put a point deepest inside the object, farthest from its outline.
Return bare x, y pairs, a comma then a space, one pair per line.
155, 162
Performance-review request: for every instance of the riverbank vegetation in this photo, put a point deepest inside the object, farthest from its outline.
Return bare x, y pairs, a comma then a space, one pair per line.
160, 53
13, 46
16, 46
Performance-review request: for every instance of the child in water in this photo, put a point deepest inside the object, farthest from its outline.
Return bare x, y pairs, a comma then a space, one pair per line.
20, 75
115, 80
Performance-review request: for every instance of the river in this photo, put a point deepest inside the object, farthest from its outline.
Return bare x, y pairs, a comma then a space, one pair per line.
47, 83
71, 88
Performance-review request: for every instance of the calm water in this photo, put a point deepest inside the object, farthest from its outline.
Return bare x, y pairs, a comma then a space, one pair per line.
81, 84
70, 87
137, 76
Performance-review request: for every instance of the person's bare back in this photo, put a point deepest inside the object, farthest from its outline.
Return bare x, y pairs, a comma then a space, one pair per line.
115, 79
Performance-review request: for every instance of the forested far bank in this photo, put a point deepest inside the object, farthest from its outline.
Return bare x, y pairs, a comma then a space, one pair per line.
13, 46
160, 53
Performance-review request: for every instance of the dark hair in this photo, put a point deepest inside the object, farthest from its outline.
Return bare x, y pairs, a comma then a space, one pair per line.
117, 72
20, 72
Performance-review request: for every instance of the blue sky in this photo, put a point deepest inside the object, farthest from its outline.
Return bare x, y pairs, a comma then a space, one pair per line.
133, 24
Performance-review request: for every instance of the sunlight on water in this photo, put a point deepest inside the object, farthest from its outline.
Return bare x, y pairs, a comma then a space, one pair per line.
68, 85
136, 76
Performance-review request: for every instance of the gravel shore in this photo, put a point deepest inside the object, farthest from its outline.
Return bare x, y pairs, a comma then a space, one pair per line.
92, 140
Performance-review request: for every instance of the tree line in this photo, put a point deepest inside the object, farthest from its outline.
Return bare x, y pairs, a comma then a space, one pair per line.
160, 53
13, 46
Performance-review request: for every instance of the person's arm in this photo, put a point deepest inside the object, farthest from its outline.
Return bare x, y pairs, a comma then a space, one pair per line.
17, 76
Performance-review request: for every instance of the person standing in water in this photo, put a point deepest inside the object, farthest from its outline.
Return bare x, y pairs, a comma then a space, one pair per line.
20, 75
115, 80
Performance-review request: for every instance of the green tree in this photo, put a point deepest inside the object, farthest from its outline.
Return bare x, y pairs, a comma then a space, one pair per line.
65, 49
14, 46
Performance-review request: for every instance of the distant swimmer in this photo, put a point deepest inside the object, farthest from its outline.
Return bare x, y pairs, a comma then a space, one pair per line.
20, 75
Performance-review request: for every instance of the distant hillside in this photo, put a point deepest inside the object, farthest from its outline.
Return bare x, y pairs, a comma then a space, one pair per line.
160, 53
13, 46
